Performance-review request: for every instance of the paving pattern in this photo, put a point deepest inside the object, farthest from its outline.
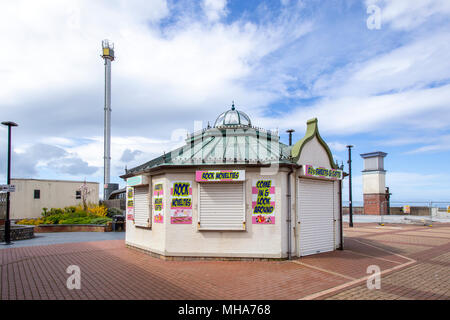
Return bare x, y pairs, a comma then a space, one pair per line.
427, 278
414, 261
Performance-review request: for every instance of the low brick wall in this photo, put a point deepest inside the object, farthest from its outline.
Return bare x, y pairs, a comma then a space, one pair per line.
356, 210
415, 211
45, 228
18, 233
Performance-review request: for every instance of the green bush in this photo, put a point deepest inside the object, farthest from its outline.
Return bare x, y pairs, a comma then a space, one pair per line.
79, 220
100, 220
51, 212
71, 209
113, 211
53, 219
74, 215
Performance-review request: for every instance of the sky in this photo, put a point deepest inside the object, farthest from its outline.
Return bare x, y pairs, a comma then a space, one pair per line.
376, 74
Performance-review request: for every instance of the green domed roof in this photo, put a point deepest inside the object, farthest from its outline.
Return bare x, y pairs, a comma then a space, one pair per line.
232, 118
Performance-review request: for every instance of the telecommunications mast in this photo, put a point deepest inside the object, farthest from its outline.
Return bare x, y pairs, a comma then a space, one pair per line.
108, 56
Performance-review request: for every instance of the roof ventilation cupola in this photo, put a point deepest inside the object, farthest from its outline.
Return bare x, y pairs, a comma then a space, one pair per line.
232, 119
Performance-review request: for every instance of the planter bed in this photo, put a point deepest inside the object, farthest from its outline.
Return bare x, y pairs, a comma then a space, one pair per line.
44, 228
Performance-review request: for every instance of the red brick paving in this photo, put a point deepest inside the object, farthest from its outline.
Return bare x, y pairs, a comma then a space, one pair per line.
109, 270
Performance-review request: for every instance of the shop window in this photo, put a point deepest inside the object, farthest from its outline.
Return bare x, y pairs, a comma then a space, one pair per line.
77, 194
37, 194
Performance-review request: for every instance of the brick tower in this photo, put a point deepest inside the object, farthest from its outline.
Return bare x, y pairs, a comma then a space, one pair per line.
374, 183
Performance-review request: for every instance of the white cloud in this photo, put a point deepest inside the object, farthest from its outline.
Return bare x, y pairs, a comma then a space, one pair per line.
411, 66
349, 115
56, 44
170, 73
435, 144
336, 146
214, 9
407, 14
92, 149
163, 76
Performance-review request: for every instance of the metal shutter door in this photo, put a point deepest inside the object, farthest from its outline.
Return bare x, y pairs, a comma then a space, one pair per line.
316, 207
222, 206
141, 207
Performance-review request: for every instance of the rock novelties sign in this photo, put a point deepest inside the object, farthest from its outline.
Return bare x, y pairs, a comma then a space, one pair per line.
263, 201
181, 202
220, 175
158, 203
319, 172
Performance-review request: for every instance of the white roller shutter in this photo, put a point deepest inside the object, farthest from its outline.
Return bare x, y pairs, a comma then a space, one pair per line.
141, 207
222, 206
316, 208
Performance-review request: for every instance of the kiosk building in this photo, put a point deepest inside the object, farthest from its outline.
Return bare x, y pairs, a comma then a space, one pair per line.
235, 191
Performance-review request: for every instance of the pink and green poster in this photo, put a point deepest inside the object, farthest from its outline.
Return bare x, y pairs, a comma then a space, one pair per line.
181, 202
158, 203
130, 203
263, 201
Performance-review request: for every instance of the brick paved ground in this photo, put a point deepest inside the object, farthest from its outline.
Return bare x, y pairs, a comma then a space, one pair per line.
416, 259
428, 278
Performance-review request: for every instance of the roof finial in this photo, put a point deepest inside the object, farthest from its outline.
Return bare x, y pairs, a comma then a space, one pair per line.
232, 106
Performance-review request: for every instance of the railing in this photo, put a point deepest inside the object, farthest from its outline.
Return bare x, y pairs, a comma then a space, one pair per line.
271, 132
416, 208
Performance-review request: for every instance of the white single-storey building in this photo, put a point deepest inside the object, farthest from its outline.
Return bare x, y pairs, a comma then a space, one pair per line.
32, 195
235, 191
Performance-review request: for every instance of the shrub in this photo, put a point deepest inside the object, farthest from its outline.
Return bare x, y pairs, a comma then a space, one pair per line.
71, 209
46, 212
78, 220
53, 219
98, 210
30, 222
51, 212
72, 215
113, 211
100, 220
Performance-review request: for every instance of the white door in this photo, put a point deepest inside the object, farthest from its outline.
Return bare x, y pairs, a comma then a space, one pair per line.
222, 206
316, 216
141, 207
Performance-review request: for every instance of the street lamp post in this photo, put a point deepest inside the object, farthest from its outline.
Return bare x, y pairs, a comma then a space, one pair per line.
350, 204
9, 124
